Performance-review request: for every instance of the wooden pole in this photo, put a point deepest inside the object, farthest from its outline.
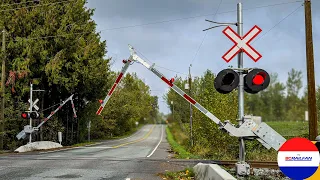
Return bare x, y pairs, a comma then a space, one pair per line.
3, 78
312, 107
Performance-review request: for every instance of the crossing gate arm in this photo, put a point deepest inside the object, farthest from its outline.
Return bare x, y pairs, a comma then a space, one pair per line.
53, 112
28, 129
127, 63
249, 129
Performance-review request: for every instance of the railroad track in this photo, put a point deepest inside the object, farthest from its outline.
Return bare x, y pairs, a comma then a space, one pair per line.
229, 163
253, 164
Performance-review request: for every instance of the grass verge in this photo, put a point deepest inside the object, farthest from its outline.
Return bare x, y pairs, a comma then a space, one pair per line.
178, 150
186, 174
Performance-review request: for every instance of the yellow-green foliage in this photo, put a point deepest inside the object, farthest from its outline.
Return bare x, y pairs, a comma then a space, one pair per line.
209, 141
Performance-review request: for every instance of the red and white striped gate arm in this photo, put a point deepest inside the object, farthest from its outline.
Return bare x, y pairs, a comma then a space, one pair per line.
123, 71
53, 112
135, 57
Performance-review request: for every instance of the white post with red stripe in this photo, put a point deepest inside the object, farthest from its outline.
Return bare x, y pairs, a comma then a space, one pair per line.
53, 112
123, 71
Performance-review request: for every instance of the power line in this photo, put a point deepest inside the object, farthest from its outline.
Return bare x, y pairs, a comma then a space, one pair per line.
193, 17
44, 37
11, 4
157, 65
172, 70
279, 23
37, 5
159, 22
205, 35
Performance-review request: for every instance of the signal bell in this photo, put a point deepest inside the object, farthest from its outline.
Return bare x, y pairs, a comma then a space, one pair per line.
256, 80
226, 81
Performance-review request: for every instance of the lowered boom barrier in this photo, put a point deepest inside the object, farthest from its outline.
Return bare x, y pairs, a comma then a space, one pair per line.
28, 129
250, 129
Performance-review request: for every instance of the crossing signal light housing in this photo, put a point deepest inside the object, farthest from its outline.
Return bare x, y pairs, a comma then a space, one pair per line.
226, 81
256, 80
27, 115
34, 115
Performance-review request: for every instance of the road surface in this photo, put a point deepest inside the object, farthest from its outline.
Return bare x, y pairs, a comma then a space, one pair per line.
140, 156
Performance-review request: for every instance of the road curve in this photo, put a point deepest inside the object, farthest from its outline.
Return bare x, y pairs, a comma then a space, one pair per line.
135, 157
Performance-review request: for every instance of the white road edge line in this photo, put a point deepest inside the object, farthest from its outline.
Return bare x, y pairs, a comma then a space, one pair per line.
158, 143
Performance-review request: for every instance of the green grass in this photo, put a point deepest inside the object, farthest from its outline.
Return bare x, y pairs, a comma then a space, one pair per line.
290, 128
83, 144
179, 150
186, 174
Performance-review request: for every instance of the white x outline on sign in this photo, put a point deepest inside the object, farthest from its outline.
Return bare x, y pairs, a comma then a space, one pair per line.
242, 43
34, 104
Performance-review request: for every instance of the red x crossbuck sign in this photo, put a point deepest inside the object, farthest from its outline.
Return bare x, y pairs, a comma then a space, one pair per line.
242, 43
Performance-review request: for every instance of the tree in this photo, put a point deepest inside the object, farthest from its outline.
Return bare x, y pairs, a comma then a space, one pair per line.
56, 44
294, 106
294, 82
208, 139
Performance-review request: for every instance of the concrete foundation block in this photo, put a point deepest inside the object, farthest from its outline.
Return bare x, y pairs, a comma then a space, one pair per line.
211, 172
39, 145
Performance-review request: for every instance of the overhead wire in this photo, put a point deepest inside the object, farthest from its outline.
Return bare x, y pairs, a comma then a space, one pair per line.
192, 17
11, 4
278, 23
158, 65
159, 22
205, 35
37, 5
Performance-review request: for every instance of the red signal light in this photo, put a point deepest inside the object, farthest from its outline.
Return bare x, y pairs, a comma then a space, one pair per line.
258, 79
100, 101
24, 115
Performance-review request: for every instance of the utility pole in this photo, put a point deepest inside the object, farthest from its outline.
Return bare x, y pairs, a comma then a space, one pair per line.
191, 138
3, 78
312, 107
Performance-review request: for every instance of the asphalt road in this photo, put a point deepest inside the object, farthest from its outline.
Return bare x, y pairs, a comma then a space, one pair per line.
140, 156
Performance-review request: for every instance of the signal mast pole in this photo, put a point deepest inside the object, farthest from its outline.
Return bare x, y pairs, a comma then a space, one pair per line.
30, 109
240, 88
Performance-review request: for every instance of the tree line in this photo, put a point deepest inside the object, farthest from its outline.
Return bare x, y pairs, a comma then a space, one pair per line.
279, 102
56, 47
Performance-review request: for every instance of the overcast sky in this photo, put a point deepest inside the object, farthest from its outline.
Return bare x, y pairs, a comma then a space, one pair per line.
174, 44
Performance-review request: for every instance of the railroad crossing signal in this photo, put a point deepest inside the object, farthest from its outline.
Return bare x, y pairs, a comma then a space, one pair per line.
242, 43
34, 104
255, 81
27, 115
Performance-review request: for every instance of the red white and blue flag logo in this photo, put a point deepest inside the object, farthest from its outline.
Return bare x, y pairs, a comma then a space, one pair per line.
298, 158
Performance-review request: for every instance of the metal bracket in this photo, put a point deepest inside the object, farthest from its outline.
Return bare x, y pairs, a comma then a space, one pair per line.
28, 129
269, 135
222, 24
253, 128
